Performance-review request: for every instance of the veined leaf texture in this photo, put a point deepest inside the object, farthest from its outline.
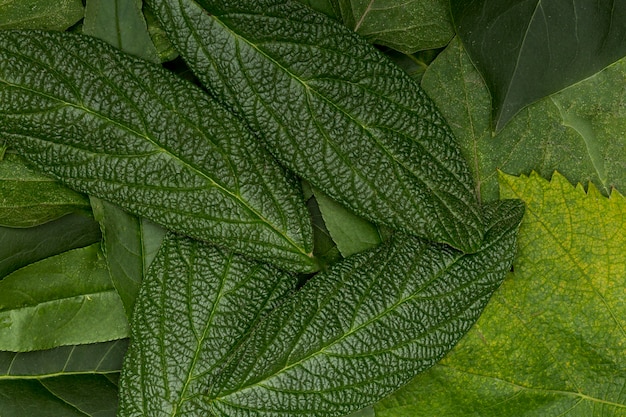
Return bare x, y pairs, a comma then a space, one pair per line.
333, 109
127, 131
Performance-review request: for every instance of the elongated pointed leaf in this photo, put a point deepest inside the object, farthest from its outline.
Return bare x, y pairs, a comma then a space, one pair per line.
129, 132
333, 109
194, 307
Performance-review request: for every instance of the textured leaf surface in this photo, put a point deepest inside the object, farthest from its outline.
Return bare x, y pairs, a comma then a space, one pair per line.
551, 342
67, 299
579, 131
66, 396
352, 335
407, 26
20, 247
530, 49
195, 306
103, 357
28, 198
141, 138
40, 14
333, 109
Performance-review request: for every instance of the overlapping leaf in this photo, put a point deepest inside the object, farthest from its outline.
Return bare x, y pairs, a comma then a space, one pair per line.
121, 129
551, 342
40, 14
333, 109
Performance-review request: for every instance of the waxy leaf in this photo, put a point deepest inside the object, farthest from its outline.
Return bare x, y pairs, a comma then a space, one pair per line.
195, 306
551, 342
129, 132
40, 14
333, 109
530, 49
67, 299
28, 198
354, 334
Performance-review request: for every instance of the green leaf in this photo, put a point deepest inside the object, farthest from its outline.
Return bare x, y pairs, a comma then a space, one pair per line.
28, 198
67, 299
334, 110
352, 335
64, 360
325, 249
530, 49
141, 138
120, 23
195, 306
551, 342
66, 396
328, 7
351, 233
539, 137
407, 26
164, 47
20, 247
40, 14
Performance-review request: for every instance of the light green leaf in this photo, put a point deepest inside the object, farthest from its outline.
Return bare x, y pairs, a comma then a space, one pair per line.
351, 233
143, 138
40, 14
551, 342
538, 138
407, 26
103, 357
67, 299
195, 306
28, 198
352, 335
333, 109
65, 396
121, 24
20, 247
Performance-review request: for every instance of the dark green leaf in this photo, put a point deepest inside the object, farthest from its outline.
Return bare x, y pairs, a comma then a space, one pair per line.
40, 14
65, 396
164, 47
67, 299
328, 7
93, 358
352, 335
407, 26
324, 248
195, 306
20, 247
530, 49
150, 142
333, 109
28, 198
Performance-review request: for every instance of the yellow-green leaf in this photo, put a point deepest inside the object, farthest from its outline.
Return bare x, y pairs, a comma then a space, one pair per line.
551, 342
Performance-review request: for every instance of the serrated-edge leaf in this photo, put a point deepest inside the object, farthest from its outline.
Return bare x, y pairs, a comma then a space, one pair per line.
144, 139
333, 109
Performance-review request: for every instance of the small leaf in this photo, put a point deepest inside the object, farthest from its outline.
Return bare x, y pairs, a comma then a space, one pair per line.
92, 358
527, 50
195, 306
333, 109
20, 247
141, 138
28, 198
40, 14
551, 342
67, 299
407, 26
351, 336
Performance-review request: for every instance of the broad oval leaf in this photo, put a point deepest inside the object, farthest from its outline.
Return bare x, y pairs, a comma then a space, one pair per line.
118, 128
333, 109
530, 49
194, 307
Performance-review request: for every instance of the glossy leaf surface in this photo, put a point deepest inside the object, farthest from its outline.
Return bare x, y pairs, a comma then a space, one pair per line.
195, 306
28, 198
352, 335
333, 109
529, 49
141, 138
551, 342
67, 299
40, 14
